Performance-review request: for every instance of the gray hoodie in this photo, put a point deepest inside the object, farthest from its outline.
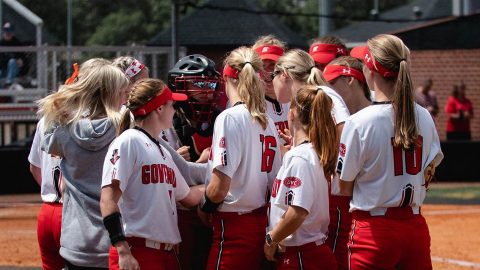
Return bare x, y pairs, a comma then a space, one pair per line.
82, 146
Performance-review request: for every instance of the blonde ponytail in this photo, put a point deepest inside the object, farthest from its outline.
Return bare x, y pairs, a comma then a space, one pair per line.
249, 87
299, 65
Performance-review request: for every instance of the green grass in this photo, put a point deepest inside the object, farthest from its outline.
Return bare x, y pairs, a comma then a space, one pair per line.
453, 194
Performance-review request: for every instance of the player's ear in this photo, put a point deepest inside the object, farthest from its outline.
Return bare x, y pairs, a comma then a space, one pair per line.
350, 80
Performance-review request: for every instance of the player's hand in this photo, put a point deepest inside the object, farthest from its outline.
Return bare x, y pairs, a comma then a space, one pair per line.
286, 136
204, 156
125, 257
206, 218
183, 151
428, 173
270, 251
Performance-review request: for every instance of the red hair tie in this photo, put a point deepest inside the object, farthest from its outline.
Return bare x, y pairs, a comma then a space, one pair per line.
74, 75
331, 72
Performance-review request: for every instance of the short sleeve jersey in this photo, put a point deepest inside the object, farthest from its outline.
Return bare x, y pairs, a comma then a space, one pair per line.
301, 182
340, 111
248, 154
385, 176
150, 184
50, 167
279, 114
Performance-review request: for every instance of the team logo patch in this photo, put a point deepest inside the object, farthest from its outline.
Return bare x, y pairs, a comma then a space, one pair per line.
343, 150
292, 182
289, 196
222, 144
115, 157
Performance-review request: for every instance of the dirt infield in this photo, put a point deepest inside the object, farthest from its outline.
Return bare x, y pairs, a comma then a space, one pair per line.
455, 242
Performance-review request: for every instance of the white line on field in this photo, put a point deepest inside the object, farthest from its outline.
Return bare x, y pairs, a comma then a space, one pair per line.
450, 212
457, 262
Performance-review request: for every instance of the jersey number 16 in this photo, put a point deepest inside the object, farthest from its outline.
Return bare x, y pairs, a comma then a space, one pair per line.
268, 154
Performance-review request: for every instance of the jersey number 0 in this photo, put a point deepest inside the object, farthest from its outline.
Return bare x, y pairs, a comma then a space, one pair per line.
268, 154
413, 158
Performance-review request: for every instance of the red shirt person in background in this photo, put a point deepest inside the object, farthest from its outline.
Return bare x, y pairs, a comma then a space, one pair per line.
460, 112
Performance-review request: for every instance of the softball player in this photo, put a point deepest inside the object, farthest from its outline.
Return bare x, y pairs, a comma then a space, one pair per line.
141, 184
270, 49
80, 123
46, 171
386, 152
299, 201
345, 75
245, 158
297, 68
323, 50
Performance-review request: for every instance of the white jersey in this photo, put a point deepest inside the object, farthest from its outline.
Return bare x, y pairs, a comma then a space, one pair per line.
150, 184
301, 182
247, 154
50, 187
340, 112
278, 112
385, 176
170, 136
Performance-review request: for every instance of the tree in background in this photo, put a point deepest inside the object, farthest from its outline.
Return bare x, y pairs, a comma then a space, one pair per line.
107, 22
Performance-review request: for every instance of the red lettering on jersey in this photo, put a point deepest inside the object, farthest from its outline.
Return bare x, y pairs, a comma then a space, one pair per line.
292, 182
268, 154
282, 125
276, 186
158, 174
343, 150
146, 174
115, 157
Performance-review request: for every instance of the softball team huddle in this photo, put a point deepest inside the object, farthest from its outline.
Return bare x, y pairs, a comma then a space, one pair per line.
304, 170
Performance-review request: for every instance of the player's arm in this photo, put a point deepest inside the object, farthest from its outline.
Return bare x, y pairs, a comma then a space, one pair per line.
292, 220
194, 196
346, 188
37, 173
218, 187
112, 220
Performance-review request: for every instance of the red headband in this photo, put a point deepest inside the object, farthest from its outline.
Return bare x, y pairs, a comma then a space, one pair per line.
134, 68
74, 75
324, 53
269, 52
231, 72
373, 65
158, 101
331, 72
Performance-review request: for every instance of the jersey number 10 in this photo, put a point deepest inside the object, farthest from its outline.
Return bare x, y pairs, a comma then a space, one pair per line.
413, 158
268, 154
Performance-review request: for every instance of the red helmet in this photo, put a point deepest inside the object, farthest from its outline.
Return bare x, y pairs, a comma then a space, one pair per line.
195, 75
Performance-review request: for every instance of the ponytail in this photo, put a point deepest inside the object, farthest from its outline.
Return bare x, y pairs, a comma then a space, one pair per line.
125, 121
406, 133
314, 107
249, 87
392, 54
315, 77
300, 66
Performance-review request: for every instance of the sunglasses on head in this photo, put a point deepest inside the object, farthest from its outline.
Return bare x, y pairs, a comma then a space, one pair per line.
275, 73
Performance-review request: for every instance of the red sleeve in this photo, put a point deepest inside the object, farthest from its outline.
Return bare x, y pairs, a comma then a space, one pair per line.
450, 106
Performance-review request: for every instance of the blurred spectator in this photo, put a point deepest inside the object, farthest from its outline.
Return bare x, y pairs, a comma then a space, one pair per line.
460, 111
10, 62
426, 97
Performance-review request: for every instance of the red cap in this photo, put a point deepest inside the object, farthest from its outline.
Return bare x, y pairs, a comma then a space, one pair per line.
357, 52
269, 52
370, 62
230, 72
325, 53
331, 72
158, 101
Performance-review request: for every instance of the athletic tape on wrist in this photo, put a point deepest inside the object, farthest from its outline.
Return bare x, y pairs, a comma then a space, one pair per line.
113, 224
207, 206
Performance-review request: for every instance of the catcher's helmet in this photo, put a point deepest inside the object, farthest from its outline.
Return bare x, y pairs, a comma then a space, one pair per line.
195, 75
